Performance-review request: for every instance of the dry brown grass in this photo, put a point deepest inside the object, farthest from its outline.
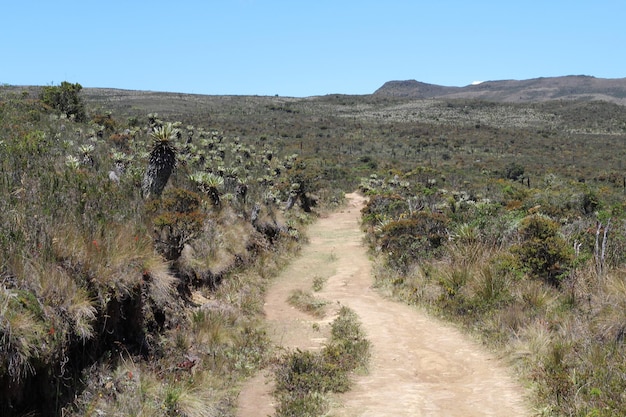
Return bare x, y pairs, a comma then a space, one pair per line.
132, 389
117, 261
22, 333
307, 302
610, 317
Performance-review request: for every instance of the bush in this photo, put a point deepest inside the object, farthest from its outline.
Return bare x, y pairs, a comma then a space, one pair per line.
543, 252
177, 222
514, 171
383, 206
65, 99
350, 349
304, 371
409, 240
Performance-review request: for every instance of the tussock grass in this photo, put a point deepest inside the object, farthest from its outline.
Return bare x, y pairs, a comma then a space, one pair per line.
114, 259
307, 302
22, 334
610, 321
318, 283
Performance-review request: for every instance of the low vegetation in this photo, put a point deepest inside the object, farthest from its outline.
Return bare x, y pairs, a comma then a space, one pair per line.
542, 283
139, 229
304, 377
306, 301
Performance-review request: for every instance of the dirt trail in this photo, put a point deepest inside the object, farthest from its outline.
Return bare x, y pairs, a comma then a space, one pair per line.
419, 365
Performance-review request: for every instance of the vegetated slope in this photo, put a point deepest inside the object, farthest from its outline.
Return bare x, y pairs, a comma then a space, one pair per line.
349, 135
101, 280
574, 87
465, 165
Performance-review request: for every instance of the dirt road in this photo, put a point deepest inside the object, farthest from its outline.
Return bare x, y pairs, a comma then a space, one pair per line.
419, 365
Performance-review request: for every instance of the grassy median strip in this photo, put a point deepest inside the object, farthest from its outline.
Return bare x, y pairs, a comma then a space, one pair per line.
304, 377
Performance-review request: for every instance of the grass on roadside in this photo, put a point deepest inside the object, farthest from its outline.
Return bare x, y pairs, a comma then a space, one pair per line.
318, 283
303, 378
307, 302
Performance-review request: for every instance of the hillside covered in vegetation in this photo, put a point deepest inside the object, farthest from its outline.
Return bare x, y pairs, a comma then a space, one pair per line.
124, 211
572, 87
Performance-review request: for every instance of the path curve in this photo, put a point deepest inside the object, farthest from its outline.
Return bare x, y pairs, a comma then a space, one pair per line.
420, 366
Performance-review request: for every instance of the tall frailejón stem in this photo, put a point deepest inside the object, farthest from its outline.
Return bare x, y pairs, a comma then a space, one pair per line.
161, 161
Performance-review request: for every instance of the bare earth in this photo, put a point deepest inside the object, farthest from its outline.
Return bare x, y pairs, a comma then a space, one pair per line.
419, 365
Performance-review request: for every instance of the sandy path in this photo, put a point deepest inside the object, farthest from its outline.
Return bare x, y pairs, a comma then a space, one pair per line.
419, 365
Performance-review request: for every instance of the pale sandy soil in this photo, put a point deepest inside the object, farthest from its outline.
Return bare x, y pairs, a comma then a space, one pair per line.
419, 365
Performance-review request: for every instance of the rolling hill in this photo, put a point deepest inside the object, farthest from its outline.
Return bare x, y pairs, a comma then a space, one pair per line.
572, 87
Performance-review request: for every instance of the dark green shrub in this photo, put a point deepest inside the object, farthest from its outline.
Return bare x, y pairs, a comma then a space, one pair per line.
309, 404
304, 371
514, 171
65, 99
383, 206
543, 252
408, 240
350, 348
368, 162
588, 201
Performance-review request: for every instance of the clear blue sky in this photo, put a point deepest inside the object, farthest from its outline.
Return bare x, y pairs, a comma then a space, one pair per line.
305, 47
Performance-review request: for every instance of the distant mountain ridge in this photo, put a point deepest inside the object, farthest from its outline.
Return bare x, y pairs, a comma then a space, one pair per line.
571, 87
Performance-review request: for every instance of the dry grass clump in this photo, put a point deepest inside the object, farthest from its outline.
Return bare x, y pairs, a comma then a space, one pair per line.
116, 262
132, 389
414, 287
59, 291
22, 333
307, 302
610, 320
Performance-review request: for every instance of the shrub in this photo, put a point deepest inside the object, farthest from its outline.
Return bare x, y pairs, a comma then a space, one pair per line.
105, 120
543, 252
408, 240
304, 371
383, 206
310, 404
177, 222
514, 171
350, 347
65, 99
